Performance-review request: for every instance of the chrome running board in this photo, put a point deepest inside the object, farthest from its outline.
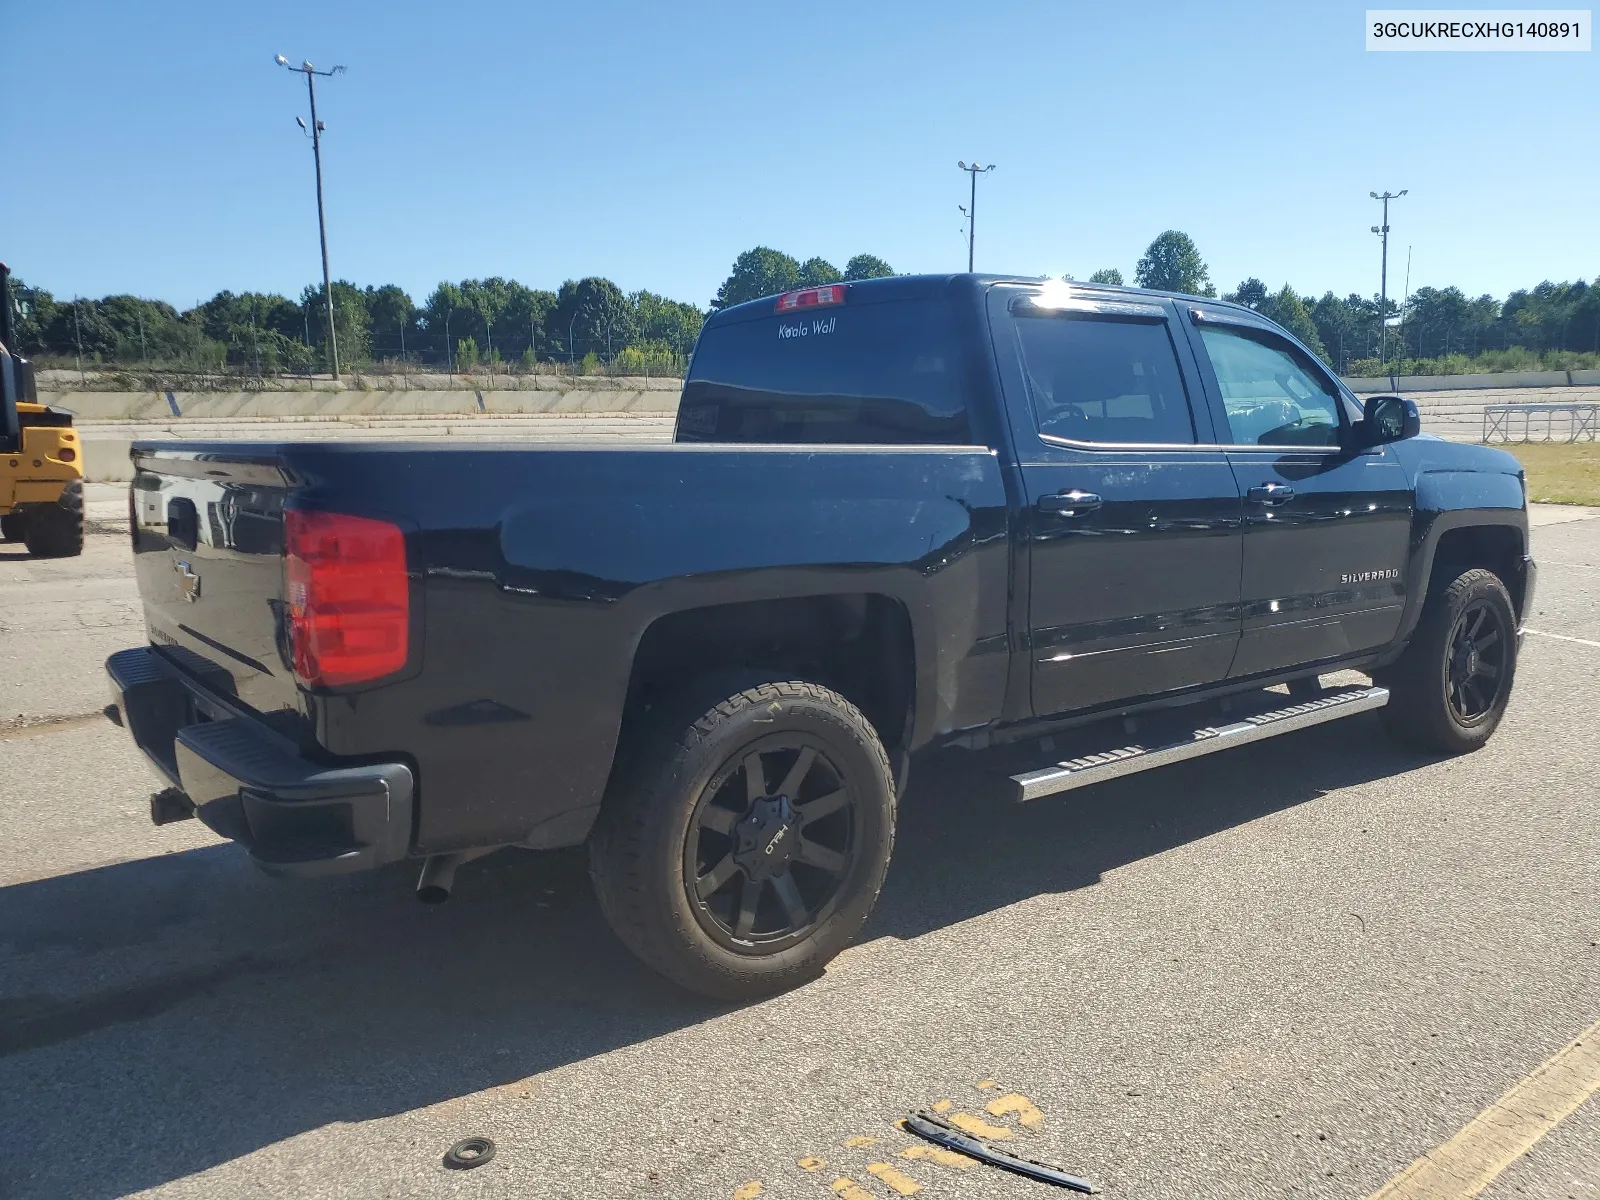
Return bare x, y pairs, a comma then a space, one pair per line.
1129, 760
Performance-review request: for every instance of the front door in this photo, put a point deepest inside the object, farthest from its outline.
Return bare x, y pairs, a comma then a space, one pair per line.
1132, 525
1326, 528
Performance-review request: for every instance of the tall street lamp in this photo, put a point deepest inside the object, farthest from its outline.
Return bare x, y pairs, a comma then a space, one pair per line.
1383, 279
315, 131
971, 209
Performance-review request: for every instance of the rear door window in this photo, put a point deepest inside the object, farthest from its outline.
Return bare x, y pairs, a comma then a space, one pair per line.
1104, 380
847, 373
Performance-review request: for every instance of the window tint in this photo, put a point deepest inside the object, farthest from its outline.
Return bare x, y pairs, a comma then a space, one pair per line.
1095, 380
1274, 394
884, 373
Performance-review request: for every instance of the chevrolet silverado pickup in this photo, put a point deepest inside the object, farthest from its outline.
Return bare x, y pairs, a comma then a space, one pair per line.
1131, 527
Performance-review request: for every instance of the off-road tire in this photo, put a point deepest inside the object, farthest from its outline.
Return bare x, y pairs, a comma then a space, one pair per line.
1419, 713
56, 530
11, 527
638, 846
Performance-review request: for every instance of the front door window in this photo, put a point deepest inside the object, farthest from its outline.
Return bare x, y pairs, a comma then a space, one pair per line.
1274, 394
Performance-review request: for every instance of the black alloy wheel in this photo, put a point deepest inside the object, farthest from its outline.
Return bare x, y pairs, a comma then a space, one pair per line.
770, 842
1476, 670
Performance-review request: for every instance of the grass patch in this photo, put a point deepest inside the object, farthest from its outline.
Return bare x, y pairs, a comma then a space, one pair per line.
1560, 472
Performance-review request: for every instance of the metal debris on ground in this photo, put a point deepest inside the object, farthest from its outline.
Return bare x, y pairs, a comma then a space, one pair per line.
468, 1153
932, 1129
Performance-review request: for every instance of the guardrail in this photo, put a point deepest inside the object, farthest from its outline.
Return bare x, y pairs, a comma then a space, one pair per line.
1581, 421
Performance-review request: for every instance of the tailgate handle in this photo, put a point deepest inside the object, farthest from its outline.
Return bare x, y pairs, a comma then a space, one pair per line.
183, 523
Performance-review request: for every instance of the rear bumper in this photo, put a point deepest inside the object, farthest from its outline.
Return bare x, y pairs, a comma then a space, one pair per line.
245, 782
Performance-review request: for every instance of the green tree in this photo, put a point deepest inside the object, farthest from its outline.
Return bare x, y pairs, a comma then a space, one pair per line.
38, 313
444, 315
1288, 310
815, 272
392, 314
522, 321
669, 322
1252, 293
1171, 263
758, 272
867, 266
486, 299
590, 316
351, 324
1107, 275
466, 354
1348, 328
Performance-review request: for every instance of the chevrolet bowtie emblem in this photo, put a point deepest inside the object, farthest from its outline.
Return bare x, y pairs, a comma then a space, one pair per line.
189, 580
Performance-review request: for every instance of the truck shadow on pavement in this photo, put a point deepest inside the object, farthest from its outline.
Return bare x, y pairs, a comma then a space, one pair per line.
163, 1016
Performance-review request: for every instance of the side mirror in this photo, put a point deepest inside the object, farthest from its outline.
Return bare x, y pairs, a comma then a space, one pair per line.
1389, 419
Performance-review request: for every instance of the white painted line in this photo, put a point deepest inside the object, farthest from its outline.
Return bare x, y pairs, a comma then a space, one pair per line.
1502, 1133
1561, 637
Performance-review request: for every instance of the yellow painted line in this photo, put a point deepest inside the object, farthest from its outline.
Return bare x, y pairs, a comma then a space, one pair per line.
978, 1127
942, 1106
749, 1191
938, 1154
897, 1180
1506, 1130
849, 1189
810, 1163
1018, 1105
860, 1140
983, 1085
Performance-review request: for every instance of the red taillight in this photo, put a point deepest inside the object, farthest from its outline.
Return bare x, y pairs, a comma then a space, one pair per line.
816, 297
349, 597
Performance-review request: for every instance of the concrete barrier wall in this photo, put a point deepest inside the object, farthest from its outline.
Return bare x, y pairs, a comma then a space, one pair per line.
105, 460
166, 406
1459, 383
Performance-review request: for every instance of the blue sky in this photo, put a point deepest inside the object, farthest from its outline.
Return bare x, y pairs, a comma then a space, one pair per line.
151, 148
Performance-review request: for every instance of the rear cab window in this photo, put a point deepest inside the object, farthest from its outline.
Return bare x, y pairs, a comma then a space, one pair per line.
1102, 378
877, 367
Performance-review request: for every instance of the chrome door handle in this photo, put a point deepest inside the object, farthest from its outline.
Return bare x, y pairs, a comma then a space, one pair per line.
1271, 493
1068, 504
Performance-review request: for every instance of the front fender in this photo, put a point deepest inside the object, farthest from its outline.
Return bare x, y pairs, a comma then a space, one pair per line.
1448, 500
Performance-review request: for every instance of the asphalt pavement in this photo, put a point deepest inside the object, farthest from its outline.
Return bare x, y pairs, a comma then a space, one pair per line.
1286, 970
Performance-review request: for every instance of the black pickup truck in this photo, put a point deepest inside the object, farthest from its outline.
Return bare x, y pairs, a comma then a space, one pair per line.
912, 512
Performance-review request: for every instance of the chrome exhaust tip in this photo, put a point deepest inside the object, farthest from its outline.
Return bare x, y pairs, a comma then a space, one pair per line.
439, 873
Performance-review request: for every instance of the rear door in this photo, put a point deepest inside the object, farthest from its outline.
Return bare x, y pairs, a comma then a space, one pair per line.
1326, 528
1132, 516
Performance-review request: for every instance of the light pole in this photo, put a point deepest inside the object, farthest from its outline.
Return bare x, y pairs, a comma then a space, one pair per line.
971, 208
1383, 279
317, 127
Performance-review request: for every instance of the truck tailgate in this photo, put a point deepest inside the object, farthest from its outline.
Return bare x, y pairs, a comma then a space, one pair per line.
208, 553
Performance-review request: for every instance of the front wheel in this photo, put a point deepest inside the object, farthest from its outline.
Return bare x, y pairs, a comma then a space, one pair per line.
745, 840
1450, 688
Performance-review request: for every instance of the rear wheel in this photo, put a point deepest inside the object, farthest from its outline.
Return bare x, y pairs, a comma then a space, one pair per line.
56, 530
745, 840
1450, 688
